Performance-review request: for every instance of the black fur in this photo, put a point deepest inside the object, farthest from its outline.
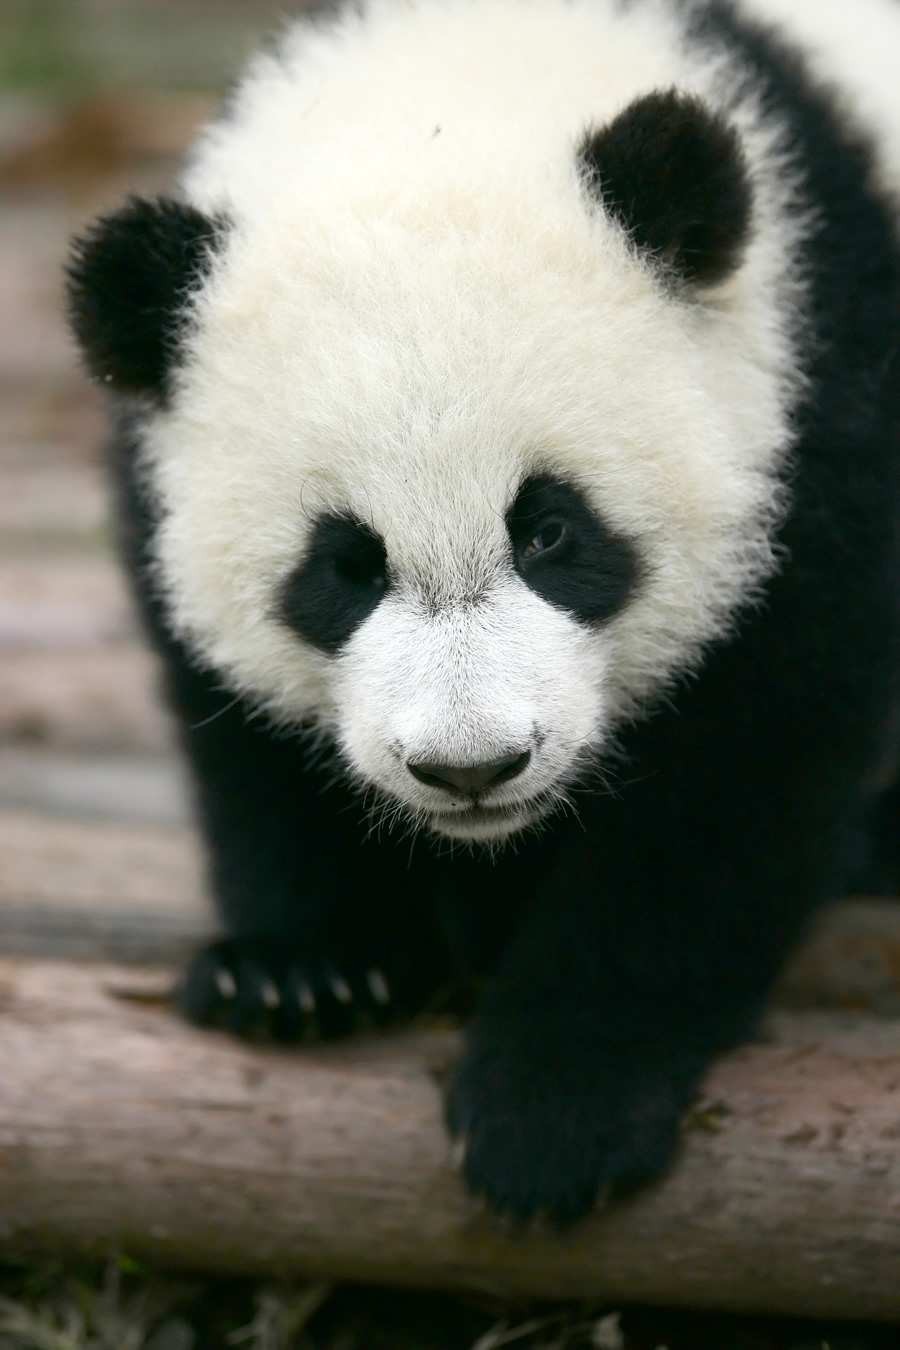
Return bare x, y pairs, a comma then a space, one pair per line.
338, 584
129, 278
626, 948
565, 554
673, 174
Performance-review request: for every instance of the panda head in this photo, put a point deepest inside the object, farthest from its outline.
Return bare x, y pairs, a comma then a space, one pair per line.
460, 464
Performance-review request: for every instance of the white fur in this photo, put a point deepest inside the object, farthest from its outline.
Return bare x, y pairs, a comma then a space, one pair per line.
473, 683
416, 309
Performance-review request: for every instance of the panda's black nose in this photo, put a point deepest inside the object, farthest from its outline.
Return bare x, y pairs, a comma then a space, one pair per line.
467, 779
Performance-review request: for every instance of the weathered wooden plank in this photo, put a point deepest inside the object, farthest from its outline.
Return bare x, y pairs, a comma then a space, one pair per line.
74, 602
93, 890
120, 1127
82, 863
98, 698
60, 503
113, 787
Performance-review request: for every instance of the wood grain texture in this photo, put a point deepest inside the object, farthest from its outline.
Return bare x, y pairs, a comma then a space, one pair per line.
121, 1128
82, 698
91, 889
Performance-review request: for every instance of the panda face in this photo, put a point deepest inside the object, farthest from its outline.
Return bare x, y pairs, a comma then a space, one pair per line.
471, 712
464, 411
465, 499
465, 502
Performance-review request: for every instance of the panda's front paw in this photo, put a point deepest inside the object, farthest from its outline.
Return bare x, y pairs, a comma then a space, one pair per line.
260, 988
549, 1138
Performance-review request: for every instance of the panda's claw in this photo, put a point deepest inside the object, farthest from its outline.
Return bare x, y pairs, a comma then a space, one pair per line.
306, 998
258, 989
341, 989
458, 1148
378, 987
225, 983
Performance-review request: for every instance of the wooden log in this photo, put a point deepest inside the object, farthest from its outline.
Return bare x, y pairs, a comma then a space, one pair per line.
120, 1128
849, 959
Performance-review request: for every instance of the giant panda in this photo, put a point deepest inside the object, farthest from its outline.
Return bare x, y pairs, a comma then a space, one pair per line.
506, 415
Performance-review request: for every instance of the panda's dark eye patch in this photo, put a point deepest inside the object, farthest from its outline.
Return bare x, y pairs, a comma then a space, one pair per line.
337, 585
565, 554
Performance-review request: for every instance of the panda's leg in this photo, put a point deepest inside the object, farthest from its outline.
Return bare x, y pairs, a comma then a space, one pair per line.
650, 951
322, 925
323, 928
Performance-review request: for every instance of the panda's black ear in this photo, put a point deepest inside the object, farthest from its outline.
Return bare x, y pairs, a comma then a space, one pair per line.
674, 175
129, 277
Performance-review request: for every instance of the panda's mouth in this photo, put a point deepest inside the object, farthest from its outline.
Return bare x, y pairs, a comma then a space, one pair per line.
484, 822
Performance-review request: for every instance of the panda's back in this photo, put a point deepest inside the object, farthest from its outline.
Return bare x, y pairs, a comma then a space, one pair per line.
853, 48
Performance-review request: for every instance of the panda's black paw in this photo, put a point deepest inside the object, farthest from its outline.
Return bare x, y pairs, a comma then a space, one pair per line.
260, 988
539, 1139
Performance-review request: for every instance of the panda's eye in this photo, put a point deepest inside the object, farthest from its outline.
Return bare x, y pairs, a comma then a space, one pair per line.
551, 535
337, 585
566, 554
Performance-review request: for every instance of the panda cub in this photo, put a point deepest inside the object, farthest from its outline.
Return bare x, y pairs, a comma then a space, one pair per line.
507, 450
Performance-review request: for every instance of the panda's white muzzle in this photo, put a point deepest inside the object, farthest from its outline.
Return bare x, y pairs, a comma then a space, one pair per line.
473, 717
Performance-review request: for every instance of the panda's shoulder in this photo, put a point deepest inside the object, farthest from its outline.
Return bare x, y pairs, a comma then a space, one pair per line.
851, 52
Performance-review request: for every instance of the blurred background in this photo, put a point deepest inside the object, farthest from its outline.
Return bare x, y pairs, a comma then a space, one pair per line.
98, 98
